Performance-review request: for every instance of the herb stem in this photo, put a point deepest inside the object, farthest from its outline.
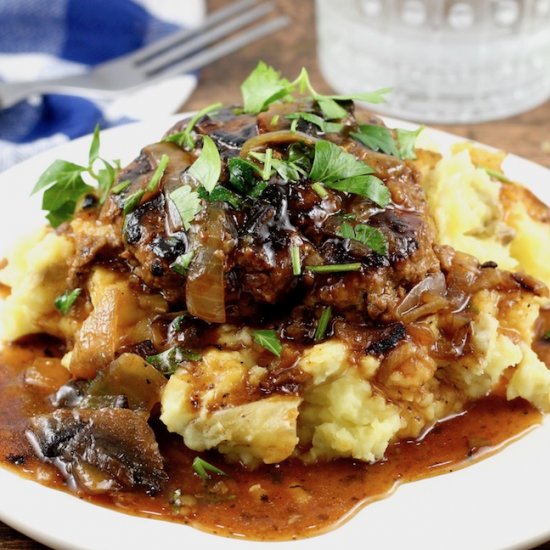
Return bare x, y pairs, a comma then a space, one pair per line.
295, 259
333, 268
320, 190
322, 325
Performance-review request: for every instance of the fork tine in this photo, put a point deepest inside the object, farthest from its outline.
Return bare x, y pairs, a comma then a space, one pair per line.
221, 49
160, 46
209, 37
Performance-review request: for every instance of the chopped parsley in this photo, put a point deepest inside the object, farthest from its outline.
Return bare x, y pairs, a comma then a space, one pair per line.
220, 194
335, 168
369, 236
202, 468
269, 340
65, 301
207, 168
321, 123
64, 183
495, 174
120, 187
181, 264
322, 325
157, 174
320, 190
407, 141
168, 361
263, 86
242, 174
333, 268
288, 170
185, 138
132, 201
295, 260
187, 203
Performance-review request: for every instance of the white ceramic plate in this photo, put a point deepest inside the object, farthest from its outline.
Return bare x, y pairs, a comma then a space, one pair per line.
500, 502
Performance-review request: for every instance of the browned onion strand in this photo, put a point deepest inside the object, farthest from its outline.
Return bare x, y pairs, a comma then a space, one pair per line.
205, 289
433, 284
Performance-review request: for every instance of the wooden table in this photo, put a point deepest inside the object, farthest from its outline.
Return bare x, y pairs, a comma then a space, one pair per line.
527, 135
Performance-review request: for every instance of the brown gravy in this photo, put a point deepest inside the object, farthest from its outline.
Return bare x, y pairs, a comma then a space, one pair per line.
275, 502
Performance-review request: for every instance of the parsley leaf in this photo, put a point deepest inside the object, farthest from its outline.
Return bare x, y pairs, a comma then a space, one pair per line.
93, 153
242, 174
321, 123
181, 264
221, 194
168, 361
202, 468
329, 103
295, 260
377, 138
187, 203
331, 164
263, 86
335, 168
65, 301
286, 169
380, 138
269, 340
207, 168
369, 236
407, 142
185, 139
64, 184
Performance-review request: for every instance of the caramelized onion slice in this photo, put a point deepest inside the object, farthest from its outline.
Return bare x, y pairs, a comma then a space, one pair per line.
205, 286
434, 284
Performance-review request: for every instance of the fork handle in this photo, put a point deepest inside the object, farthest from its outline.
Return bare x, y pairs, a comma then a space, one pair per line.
13, 92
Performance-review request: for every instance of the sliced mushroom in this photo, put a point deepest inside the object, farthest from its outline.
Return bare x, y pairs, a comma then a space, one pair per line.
116, 445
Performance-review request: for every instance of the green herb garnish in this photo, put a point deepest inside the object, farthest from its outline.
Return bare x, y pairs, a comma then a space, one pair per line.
133, 201
187, 203
339, 170
168, 361
369, 236
295, 260
181, 264
321, 123
263, 86
158, 173
269, 340
496, 175
65, 301
185, 139
407, 142
207, 168
220, 194
202, 468
120, 187
242, 174
333, 268
320, 190
377, 138
322, 325
546, 336
64, 184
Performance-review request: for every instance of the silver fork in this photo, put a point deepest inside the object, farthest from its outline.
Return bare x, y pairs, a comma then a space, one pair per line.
178, 53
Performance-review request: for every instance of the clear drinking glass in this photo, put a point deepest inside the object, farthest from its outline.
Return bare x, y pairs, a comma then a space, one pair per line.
448, 61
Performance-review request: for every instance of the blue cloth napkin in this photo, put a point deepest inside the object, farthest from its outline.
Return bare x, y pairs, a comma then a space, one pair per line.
51, 38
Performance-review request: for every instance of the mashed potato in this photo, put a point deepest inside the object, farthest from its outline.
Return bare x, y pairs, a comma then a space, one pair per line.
36, 274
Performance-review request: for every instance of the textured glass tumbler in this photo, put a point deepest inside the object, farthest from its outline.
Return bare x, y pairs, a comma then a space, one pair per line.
448, 61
